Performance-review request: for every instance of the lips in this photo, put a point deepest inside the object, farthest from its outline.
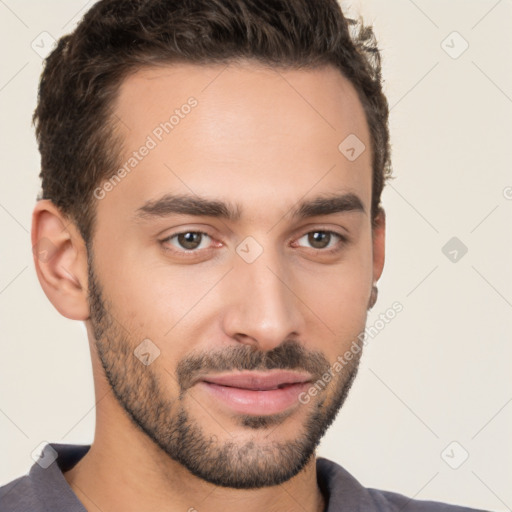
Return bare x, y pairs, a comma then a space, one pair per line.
259, 381
255, 393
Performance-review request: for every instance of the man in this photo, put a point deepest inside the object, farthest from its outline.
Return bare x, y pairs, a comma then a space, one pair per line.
211, 175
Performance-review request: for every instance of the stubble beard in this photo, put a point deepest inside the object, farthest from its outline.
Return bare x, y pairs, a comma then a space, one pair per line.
249, 464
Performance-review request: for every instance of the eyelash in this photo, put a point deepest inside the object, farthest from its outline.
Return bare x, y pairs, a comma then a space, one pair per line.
187, 253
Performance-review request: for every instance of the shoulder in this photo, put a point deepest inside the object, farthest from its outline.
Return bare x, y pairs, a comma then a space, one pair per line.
44, 487
346, 493
19, 496
395, 502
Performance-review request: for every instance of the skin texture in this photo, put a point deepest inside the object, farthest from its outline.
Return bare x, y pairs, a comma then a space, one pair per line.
263, 139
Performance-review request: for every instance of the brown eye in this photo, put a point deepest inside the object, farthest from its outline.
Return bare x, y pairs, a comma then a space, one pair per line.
188, 240
324, 241
319, 239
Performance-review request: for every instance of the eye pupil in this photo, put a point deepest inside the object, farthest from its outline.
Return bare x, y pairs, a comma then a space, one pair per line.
319, 237
190, 240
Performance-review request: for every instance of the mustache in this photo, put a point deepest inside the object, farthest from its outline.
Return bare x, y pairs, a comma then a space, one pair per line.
289, 355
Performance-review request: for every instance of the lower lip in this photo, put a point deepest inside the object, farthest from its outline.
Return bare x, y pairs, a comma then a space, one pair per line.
256, 402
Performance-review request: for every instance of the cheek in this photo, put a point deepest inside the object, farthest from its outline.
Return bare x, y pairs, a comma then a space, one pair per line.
339, 293
149, 292
166, 304
341, 306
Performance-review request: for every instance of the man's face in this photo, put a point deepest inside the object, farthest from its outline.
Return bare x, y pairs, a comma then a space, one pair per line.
247, 311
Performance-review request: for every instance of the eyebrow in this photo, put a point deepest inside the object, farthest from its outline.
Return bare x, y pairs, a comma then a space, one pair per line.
171, 204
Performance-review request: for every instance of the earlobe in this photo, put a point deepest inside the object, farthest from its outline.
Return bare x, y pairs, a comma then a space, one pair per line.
60, 259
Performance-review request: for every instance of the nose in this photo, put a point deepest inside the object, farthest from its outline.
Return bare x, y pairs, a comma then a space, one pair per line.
263, 309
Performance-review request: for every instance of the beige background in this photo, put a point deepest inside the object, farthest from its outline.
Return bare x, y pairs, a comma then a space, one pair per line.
440, 371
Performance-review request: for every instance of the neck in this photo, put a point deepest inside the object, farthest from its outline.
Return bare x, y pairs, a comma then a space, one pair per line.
125, 470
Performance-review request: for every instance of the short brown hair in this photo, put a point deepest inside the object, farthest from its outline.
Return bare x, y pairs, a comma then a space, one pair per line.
75, 127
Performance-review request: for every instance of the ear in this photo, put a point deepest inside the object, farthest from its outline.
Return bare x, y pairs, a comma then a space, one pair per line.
60, 259
379, 244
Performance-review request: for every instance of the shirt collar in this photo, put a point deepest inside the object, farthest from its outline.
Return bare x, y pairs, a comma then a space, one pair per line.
340, 489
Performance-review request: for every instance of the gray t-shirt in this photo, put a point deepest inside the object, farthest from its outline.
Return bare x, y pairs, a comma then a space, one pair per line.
46, 489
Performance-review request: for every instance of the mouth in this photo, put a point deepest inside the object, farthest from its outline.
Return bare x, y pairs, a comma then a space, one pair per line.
256, 393
257, 381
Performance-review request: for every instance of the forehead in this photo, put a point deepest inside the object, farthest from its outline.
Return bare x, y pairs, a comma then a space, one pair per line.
244, 130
